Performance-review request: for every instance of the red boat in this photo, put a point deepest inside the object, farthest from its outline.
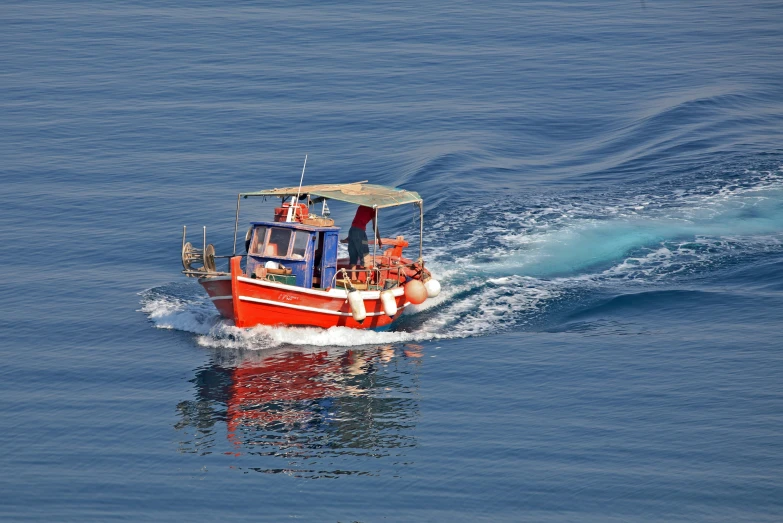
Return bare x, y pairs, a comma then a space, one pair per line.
290, 274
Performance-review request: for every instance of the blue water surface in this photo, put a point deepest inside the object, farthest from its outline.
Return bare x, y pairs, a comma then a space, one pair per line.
603, 186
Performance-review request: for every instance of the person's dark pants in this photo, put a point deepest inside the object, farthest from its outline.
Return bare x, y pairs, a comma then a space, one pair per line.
358, 246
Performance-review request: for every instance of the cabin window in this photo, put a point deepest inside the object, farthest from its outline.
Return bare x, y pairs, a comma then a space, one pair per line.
279, 240
300, 244
258, 241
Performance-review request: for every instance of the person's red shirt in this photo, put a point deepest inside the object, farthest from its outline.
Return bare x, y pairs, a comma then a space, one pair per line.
363, 217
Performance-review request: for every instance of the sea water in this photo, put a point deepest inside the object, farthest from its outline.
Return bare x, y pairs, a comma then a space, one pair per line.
603, 187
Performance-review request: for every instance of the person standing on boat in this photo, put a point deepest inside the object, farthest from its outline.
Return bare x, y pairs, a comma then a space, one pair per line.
358, 245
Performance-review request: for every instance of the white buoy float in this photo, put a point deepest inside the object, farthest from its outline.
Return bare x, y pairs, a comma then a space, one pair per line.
433, 287
356, 302
389, 303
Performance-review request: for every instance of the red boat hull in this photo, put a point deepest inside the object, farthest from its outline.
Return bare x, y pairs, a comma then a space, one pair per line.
251, 302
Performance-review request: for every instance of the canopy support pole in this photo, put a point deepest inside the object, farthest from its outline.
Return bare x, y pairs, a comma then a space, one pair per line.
236, 226
421, 230
375, 237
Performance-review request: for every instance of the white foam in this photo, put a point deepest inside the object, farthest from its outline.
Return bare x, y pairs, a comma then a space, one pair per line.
169, 312
227, 336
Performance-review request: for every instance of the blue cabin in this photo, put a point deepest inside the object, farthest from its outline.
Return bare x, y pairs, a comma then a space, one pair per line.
309, 251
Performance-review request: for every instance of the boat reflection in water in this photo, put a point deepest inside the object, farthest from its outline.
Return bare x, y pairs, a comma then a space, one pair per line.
306, 412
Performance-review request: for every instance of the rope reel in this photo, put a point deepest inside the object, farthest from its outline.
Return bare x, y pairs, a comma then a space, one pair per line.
192, 255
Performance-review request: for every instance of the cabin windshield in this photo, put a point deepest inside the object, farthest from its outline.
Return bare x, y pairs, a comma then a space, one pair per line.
279, 240
258, 240
276, 245
300, 244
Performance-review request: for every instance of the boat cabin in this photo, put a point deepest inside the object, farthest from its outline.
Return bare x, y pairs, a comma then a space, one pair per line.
293, 253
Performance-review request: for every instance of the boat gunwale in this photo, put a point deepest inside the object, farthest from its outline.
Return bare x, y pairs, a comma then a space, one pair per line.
332, 293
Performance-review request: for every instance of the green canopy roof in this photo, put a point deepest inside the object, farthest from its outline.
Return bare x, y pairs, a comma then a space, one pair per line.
359, 193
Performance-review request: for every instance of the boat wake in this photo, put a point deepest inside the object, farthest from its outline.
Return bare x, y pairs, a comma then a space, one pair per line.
515, 268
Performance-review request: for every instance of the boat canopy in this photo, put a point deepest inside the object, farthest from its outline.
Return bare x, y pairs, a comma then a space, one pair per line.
359, 193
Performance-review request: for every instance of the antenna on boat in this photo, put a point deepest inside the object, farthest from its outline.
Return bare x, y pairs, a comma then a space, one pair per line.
298, 192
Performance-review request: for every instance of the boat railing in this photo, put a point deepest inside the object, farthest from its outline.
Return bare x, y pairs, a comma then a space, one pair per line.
204, 274
375, 273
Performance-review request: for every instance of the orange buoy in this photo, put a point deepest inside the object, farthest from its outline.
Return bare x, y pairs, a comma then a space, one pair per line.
415, 292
